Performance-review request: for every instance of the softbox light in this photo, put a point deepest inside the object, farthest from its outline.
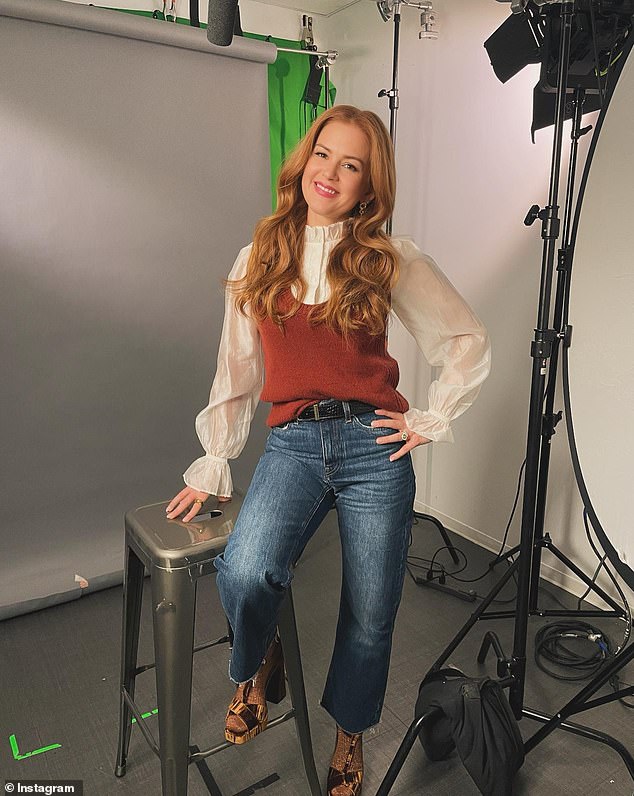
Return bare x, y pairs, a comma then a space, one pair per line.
600, 29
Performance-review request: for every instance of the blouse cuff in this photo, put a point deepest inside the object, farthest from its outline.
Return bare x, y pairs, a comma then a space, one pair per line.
210, 474
429, 424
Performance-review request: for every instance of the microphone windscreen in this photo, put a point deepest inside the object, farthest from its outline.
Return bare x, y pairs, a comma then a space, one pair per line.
220, 21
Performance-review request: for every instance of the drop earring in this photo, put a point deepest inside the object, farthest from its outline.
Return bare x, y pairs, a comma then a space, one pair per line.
363, 206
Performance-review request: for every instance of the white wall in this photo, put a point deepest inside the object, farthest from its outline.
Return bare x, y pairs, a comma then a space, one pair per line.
468, 173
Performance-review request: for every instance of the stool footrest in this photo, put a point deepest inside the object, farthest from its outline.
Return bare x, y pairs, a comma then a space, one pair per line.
205, 645
196, 756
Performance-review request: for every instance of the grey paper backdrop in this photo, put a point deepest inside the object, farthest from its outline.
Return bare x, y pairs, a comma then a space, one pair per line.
134, 164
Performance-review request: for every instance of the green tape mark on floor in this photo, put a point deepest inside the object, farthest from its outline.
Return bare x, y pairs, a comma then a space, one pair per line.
18, 756
16, 751
146, 715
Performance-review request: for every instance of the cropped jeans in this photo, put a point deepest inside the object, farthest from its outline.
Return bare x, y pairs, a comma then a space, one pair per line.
307, 467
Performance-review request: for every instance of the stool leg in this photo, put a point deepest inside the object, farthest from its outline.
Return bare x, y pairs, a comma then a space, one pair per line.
173, 609
130, 621
293, 663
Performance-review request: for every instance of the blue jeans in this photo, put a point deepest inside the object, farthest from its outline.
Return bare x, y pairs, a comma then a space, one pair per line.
307, 467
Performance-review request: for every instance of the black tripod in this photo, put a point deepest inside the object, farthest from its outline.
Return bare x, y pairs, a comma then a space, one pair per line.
541, 427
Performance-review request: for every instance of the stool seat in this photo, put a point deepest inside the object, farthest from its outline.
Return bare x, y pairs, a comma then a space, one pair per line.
176, 555
172, 543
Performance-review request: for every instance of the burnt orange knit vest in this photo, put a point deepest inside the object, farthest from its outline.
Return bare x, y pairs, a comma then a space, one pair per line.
305, 364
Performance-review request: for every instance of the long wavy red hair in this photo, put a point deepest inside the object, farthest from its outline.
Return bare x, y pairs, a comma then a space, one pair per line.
363, 266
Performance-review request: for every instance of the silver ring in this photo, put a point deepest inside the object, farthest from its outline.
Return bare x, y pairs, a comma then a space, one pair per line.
404, 436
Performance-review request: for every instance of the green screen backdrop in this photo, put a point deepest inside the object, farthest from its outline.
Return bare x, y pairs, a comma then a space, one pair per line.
289, 115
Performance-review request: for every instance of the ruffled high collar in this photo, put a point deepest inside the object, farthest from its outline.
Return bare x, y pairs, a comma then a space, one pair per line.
321, 234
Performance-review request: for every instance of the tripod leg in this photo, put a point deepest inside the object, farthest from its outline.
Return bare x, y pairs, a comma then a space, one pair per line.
504, 556
404, 749
578, 729
579, 702
592, 585
475, 616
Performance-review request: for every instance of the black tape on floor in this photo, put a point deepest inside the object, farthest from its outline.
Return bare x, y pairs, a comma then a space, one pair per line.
263, 783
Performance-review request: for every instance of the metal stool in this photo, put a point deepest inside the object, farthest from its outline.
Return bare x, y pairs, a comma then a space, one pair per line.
176, 555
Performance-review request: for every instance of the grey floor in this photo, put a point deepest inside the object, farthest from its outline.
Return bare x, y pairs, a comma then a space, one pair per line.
59, 668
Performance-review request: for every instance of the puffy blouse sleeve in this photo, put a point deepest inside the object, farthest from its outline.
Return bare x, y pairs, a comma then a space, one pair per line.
448, 333
223, 425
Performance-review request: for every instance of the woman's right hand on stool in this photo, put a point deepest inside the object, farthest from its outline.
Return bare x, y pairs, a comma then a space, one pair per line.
190, 501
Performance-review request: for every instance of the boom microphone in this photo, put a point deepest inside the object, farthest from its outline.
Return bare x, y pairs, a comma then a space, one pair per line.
220, 21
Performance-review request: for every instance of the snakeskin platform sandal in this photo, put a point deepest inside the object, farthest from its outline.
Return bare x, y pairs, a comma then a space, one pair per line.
346, 781
251, 712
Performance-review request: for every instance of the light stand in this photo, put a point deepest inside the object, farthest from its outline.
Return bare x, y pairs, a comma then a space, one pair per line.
391, 9
392, 93
549, 419
541, 425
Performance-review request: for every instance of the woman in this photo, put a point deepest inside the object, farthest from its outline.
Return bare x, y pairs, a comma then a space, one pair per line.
308, 301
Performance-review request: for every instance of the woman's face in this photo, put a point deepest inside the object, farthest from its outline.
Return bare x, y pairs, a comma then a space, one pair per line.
336, 176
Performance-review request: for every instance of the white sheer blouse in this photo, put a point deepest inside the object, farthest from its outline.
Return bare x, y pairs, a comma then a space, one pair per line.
446, 330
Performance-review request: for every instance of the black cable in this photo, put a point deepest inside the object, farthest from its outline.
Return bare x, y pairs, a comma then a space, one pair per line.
602, 560
472, 580
498, 556
626, 605
428, 564
593, 580
456, 571
437, 571
616, 684
550, 641
441, 574
551, 645
508, 524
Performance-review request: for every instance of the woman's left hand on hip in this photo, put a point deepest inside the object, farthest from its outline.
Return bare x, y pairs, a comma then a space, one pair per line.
396, 420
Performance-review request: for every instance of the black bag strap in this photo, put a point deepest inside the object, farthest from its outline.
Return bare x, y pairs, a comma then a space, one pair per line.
312, 91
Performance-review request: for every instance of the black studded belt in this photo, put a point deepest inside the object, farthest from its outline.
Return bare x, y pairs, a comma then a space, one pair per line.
331, 409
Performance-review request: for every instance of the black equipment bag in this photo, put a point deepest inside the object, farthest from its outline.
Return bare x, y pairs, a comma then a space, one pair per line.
473, 716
